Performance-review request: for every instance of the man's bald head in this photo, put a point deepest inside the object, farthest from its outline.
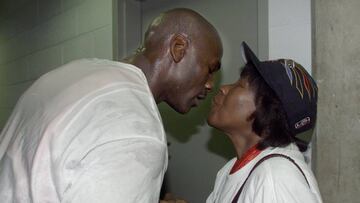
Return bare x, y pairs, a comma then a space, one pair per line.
180, 21
181, 52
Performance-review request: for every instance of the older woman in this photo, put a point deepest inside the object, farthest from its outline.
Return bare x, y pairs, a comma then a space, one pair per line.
262, 114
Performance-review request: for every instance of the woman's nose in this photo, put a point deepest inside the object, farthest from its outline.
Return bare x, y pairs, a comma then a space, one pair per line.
224, 89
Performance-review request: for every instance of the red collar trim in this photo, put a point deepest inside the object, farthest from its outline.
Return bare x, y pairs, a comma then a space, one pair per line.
246, 158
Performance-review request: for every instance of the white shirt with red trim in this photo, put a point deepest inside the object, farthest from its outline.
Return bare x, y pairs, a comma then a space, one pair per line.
276, 180
89, 131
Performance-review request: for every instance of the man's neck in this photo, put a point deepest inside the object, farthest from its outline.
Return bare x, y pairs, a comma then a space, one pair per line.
149, 71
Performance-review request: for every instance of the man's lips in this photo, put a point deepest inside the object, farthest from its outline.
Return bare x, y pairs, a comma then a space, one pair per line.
198, 98
201, 96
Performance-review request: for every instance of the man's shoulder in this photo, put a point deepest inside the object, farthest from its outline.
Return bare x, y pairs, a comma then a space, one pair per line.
118, 71
91, 75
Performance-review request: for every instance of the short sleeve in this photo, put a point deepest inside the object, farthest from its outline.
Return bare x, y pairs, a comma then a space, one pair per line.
127, 170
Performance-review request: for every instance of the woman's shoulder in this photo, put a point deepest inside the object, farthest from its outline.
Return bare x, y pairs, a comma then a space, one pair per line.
286, 168
282, 178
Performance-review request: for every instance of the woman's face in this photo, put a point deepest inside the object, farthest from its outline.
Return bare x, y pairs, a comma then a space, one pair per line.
232, 107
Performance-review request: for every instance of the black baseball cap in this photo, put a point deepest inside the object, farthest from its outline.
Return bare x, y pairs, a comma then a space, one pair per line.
293, 85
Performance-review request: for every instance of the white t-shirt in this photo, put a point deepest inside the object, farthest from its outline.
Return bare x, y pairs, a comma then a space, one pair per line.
276, 180
89, 131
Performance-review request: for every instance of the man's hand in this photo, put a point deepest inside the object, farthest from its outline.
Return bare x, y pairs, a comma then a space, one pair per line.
170, 198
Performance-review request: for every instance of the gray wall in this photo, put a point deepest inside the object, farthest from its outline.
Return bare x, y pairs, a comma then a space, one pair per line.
198, 151
39, 35
337, 70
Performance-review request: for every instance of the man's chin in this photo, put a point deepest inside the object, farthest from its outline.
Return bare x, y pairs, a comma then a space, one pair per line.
182, 109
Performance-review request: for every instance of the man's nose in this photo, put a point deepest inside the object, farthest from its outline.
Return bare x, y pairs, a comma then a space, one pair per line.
209, 85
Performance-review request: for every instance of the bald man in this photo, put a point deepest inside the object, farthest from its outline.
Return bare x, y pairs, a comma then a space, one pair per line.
90, 131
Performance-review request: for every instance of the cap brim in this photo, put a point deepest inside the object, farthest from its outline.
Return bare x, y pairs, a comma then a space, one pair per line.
248, 55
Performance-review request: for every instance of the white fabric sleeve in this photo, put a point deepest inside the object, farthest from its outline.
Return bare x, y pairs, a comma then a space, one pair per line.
125, 170
220, 176
212, 196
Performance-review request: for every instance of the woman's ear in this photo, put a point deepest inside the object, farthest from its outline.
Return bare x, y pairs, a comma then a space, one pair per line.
178, 45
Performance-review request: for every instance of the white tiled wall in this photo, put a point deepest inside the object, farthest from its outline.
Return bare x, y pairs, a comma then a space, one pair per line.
39, 35
290, 30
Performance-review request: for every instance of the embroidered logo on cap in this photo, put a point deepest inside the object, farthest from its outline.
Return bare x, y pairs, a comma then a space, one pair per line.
299, 78
302, 123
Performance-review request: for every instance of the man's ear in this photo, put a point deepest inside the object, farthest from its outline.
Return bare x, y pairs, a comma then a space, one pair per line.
178, 45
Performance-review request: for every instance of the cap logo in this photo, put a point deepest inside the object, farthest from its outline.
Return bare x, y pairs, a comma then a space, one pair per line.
299, 77
302, 123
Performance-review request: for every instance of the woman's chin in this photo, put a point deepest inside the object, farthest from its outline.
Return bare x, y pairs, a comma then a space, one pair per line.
211, 120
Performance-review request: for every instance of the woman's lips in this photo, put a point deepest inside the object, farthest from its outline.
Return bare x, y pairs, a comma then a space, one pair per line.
216, 100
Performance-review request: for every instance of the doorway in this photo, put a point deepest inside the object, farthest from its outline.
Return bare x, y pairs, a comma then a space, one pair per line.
197, 151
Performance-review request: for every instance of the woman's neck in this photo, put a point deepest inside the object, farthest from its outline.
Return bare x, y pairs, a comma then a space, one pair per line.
243, 143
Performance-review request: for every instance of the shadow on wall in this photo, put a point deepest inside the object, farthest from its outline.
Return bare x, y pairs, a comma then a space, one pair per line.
183, 127
221, 145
